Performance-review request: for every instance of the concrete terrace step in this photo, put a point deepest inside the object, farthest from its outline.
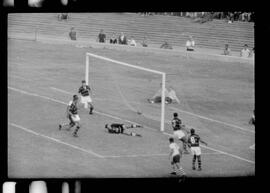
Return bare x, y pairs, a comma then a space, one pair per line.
160, 28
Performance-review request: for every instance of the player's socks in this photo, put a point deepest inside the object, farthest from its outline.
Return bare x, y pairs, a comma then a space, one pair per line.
193, 162
199, 163
91, 110
181, 171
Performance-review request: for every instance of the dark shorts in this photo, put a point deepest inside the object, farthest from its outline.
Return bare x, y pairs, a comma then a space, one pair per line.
190, 49
176, 159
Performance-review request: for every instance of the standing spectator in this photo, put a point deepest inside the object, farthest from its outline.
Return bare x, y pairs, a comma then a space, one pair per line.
122, 39
113, 39
72, 34
132, 42
101, 37
245, 52
144, 42
190, 44
227, 50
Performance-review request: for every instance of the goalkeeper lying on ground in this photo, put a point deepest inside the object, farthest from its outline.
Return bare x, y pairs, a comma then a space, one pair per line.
118, 128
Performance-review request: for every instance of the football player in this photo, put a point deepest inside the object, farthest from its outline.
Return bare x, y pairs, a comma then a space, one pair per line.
194, 143
118, 128
179, 131
175, 156
72, 115
85, 91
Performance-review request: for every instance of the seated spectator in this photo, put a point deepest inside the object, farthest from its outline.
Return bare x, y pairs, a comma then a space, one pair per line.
63, 16
132, 42
101, 37
72, 34
227, 50
245, 52
113, 39
122, 39
166, 45
144, 42
190, 44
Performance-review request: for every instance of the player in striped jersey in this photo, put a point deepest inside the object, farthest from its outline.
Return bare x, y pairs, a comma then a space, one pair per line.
175, 156
85, 91
72, 115
118, 128
179, 131
194, 143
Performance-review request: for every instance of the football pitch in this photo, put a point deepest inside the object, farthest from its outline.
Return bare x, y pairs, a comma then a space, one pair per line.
216, 98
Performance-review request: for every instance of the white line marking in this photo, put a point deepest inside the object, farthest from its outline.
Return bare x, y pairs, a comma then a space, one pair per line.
47, 98
56, 140
151, 155
213, 120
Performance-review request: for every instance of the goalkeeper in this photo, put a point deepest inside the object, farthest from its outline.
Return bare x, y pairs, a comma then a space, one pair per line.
117, 128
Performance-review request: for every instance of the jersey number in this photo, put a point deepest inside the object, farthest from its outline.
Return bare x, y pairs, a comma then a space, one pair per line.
192, 140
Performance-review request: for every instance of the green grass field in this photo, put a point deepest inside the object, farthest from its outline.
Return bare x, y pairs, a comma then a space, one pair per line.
217, 99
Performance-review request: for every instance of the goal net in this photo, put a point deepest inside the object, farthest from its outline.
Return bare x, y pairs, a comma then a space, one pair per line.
123, 89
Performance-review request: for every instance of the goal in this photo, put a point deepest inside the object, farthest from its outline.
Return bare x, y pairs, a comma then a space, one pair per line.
89, 73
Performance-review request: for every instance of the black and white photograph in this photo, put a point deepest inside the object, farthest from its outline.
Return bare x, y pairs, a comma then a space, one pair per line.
130, 95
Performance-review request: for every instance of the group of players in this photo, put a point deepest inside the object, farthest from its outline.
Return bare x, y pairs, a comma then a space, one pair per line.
74, 119
187, 138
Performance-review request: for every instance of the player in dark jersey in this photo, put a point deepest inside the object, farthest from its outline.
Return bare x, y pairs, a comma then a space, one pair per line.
194, 143
179, 131
72, 115
119, 128
85, 91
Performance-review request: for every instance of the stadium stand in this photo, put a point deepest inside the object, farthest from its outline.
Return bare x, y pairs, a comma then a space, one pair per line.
211, 35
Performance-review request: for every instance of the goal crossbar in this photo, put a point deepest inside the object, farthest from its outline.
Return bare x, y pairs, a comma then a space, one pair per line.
163, 74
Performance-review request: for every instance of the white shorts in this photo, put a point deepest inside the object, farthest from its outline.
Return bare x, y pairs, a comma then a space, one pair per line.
86, 99
75, 118
195, 150
179, 134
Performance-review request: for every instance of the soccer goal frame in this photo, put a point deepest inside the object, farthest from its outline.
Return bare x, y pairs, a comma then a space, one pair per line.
163, 75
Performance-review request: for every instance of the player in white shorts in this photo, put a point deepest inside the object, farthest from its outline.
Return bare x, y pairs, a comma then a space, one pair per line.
72, 115
194, 143
179, 131
85, 90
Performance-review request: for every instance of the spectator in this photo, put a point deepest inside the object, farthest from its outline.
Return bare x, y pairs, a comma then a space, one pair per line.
245, 52
132, 42
166, 45
113, 39
144, 42
253, 53
72, 34
227, 50
63, 16
190, 44
122, 39
101, 37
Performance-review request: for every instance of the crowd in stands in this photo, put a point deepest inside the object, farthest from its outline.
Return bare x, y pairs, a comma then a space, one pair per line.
208, 16
190, 43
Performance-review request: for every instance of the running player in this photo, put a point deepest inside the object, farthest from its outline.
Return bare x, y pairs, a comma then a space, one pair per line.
178, 131
85, 91
72, 115
118, 128
194, 143
175, 156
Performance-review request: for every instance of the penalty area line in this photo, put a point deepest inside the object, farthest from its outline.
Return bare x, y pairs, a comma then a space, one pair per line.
56, 140
118, 118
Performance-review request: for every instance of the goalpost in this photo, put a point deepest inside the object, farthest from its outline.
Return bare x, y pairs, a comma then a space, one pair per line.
163, 76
